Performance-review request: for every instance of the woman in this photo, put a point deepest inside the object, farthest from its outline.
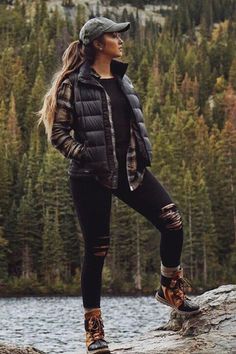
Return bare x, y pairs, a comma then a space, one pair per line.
109, 154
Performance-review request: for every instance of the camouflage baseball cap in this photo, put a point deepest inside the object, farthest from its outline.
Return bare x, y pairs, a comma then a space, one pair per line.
96, 26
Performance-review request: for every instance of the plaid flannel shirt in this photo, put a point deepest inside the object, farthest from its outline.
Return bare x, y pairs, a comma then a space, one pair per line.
70, 148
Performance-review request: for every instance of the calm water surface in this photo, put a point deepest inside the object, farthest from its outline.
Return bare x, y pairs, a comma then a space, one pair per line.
56, 324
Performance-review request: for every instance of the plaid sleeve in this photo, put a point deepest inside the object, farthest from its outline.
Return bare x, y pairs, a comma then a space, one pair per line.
62, 125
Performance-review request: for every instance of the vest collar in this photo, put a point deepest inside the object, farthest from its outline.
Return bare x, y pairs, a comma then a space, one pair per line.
87, 72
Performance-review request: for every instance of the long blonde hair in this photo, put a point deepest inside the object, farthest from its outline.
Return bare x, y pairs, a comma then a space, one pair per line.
72, 57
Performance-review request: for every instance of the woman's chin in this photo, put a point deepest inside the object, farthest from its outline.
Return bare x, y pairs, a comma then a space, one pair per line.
118, 55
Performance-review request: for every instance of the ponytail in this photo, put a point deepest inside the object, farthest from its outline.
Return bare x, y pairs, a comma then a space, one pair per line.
71, 59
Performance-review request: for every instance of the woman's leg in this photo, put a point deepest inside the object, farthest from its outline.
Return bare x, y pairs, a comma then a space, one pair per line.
93, 205
152, 201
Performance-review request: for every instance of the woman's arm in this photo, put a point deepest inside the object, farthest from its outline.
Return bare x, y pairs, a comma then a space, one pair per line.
62, 125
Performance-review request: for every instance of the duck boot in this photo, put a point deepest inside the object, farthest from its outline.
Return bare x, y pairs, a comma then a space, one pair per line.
95, 342
172, 293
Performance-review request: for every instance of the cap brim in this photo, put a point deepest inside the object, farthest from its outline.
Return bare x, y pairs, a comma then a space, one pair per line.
119, 27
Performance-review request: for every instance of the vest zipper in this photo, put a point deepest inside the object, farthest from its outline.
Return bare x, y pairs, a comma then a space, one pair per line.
114, 171
112, 129
135, 122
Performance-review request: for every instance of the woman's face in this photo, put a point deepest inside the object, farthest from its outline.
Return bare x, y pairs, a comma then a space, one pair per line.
112, 44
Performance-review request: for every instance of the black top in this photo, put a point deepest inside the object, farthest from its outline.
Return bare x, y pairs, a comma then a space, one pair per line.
121, 113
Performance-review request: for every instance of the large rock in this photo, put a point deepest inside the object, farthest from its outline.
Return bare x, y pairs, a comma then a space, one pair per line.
213, 330
14, 350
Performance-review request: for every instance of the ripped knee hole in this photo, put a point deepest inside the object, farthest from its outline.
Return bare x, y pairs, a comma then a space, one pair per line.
101, 250
171, 217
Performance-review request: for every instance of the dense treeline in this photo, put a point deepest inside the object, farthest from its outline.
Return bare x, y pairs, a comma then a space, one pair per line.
140, 3
185, 77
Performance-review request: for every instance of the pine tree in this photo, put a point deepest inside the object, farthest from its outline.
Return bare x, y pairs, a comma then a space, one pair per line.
3, 251
13, 146
188, 217
47, 249
205, 81
13, 130
121, 249
54, 193
6, 80
27, 232
232, 74
80, 19
143, 74
5, 173
20, 186
34, 103
204, 243
153, 99
20, 92
183, 16
226, 148
206, 18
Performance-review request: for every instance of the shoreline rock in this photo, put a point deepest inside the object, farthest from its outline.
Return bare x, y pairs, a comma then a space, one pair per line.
213, 330
9, 349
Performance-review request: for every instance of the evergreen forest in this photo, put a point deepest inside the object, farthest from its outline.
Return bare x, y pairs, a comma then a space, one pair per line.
185, 75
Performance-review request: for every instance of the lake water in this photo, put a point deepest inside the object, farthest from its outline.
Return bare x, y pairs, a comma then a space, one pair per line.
56, 324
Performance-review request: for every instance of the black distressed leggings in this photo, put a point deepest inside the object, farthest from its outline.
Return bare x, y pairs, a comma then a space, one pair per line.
93, 205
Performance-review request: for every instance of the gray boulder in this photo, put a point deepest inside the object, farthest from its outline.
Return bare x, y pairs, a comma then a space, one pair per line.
213, 330
7, 349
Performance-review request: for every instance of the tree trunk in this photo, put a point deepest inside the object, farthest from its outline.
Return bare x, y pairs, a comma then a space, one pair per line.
138, 278
204, 260
190, 238
232, 191
26, 262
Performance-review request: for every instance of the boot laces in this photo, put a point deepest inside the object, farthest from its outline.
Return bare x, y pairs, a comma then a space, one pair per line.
179, 287
95, 327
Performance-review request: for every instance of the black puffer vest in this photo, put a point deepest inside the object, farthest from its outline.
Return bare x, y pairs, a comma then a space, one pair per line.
93, 124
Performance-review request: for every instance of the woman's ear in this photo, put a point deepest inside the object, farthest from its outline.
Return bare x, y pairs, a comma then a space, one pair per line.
97, 44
